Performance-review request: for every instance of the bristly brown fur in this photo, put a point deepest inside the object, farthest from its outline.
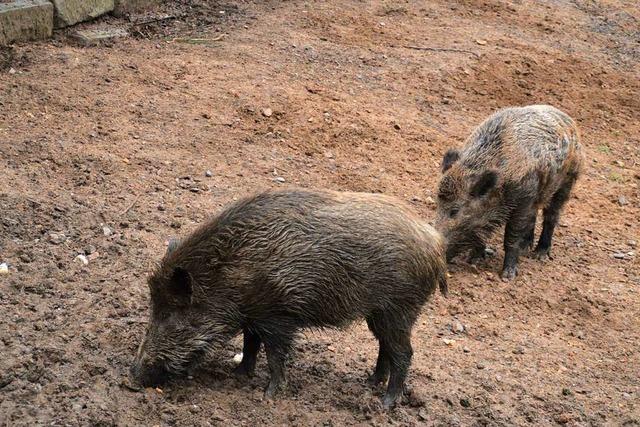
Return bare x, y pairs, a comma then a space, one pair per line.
279, 261
517, 161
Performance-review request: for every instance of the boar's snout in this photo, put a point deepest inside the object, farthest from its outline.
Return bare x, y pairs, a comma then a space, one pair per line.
148, 375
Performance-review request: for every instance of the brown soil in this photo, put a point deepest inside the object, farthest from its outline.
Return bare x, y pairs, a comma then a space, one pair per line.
121, 136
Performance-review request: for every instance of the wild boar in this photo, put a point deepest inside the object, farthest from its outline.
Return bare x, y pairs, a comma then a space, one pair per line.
280, 261
516, 162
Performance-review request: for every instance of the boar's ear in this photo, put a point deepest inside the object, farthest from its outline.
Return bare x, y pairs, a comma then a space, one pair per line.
181, 284
484, 184
450, 157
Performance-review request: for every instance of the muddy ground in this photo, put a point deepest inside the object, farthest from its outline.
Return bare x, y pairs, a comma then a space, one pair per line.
104, 152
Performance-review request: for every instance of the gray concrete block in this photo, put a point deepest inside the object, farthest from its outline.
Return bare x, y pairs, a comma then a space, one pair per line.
23, 20
96, 37
69, 12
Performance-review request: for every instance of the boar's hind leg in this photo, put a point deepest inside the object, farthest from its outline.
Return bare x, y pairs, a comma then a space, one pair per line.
381, 372
250, 351
277, 347
551, 216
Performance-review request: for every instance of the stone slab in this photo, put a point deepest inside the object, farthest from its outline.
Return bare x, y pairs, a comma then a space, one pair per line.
96, 37
69, 12
23, 20
124, 7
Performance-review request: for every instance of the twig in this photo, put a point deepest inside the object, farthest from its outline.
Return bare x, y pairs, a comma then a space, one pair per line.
152, 21
130, 206
200, 41
442, 49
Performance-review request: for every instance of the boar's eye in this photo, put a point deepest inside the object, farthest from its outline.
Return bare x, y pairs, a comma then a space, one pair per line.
453, 212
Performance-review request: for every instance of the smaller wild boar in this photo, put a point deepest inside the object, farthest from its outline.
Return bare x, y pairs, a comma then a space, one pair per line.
516, 162
277, 262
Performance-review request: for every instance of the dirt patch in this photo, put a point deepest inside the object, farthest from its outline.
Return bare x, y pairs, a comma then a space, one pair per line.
104, 153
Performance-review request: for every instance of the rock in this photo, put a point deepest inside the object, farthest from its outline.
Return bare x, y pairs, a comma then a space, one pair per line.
632, 243
481, 42
566, 392
458, 327
267, 112
208, 174
83, 259
69, 12
422, 414
107, 231
89, 250
622, 201
481, 365
563, 418
57, 238
23, 20
618, 255
466, 349
96, 37
519, 350
4, 269
237, 358
12, 70
279, 179
448, 341
465, 403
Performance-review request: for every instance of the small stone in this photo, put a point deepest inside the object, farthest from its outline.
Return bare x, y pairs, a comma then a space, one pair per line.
161, 208
466, 349
481, 42
107, 231
279, 179
422, 414
465, 403
481, 365
518, 350
448, 341
237, 358
4, 269
563, 418
458, 327
57, 238
618, 255
12, 70
430, 200
89, 250
396, 126
208, 174
632, 243
83, 259
331, 348
622, 201
267, 112
566, 392
416, 199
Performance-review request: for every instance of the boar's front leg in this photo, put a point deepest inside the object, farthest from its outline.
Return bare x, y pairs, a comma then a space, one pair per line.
250, 351
516, 237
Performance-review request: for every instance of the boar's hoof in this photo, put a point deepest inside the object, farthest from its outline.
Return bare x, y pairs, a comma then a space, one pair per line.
542, 254
389, 401
375, 379
273, 389
509, 273
243, 372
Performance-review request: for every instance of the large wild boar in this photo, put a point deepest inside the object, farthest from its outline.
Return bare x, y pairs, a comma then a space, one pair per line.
516, 162
277, 262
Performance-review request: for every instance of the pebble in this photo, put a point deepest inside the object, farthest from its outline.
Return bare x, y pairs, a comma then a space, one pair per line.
622, 201
57, 238
107, 231
4, 268
237, 358
618, 255
466, 349
83, 259
89, 250
12, 70
481, 365
465, 402
632, 243
422, 413
267, 112
563, 418
458, 327
208, 174
566, 392
518, 350
481, 42
279, 179
448, 341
